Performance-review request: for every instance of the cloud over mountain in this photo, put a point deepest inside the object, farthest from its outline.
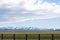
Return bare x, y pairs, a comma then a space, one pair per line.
22, 10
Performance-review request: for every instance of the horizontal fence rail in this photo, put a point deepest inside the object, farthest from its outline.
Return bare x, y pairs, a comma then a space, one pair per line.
30, 36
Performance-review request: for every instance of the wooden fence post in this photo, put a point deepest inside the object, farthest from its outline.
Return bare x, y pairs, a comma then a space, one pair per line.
14, 36
26, 36
1, 36
38, 36
52, 36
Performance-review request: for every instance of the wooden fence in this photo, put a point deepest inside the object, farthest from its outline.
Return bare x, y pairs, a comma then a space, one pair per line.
28, 36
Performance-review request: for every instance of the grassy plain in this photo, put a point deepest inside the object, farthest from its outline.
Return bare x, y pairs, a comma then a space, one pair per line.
32, 35
28, 32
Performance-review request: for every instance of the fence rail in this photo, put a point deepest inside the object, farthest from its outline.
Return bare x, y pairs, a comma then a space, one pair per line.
30, 36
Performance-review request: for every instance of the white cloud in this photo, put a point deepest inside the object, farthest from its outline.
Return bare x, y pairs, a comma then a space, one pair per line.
23, 10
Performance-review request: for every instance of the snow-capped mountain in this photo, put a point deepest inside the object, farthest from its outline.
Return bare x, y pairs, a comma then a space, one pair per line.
23, 28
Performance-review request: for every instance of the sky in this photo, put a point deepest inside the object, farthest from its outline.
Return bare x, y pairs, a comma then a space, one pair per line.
43, 14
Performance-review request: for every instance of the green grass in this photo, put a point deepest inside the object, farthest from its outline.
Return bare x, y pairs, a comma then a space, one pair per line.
27, 32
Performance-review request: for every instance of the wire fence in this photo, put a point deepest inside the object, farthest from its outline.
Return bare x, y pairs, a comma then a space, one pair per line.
30, 36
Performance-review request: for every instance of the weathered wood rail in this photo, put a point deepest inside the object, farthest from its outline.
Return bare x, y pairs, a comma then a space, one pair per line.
16, 34
26, 36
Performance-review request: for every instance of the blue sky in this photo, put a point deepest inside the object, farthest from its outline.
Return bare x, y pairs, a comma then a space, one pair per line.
51, 1
30, 13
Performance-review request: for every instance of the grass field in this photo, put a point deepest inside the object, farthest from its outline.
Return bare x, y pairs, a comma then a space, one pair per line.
32, 35
27, 32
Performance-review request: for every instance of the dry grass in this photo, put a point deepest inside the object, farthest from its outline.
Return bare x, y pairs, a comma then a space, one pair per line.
27, 32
